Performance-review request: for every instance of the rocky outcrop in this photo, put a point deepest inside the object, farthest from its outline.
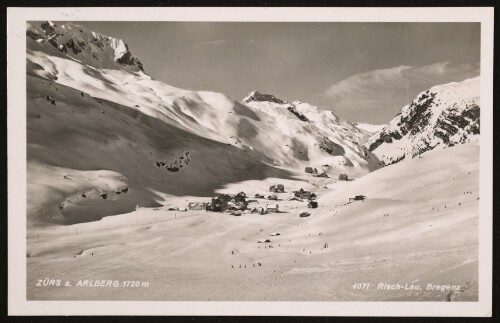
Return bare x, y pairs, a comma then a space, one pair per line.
255, 96
87, 46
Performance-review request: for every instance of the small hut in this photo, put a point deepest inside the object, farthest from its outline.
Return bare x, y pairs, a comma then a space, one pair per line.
312, 204
343, 177
309, 170
301, 194
304, 214
312, 196
358, 198
280, 188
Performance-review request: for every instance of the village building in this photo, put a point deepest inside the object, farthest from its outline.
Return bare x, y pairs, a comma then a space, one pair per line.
272, 208
343, 177
312, 204
302, 194
358, 198
258, 210
228, 202
280, 188
197, 206
304, 214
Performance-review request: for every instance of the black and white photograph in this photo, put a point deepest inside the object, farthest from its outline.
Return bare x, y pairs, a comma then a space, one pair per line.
270, 161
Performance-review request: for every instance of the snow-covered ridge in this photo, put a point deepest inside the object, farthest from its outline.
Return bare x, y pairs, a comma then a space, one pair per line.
440, 117
89, 47
311, 135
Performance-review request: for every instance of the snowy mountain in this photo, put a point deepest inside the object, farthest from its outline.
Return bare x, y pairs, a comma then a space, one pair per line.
306, 135
86, 46
104, 137
440, 117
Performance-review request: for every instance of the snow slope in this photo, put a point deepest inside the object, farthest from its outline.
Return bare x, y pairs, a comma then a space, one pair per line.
92, 108
418, 225
443, 116
368, 127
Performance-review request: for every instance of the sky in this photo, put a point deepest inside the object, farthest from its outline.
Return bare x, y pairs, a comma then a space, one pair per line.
364, 72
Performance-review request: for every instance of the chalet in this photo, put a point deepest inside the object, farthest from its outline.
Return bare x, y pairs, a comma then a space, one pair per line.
280, 188
301, 194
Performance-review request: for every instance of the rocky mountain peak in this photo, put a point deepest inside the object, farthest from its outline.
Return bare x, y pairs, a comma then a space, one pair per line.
89, 47
256, 96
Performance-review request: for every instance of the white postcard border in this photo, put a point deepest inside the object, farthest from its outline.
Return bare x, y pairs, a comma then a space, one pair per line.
16, 154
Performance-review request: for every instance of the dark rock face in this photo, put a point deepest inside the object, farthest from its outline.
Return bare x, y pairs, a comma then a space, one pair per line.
48, 28
442, 116
450, 122
298, 114
125, 59
260, 97
74, 47
176, 164
330, 147
413, 122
